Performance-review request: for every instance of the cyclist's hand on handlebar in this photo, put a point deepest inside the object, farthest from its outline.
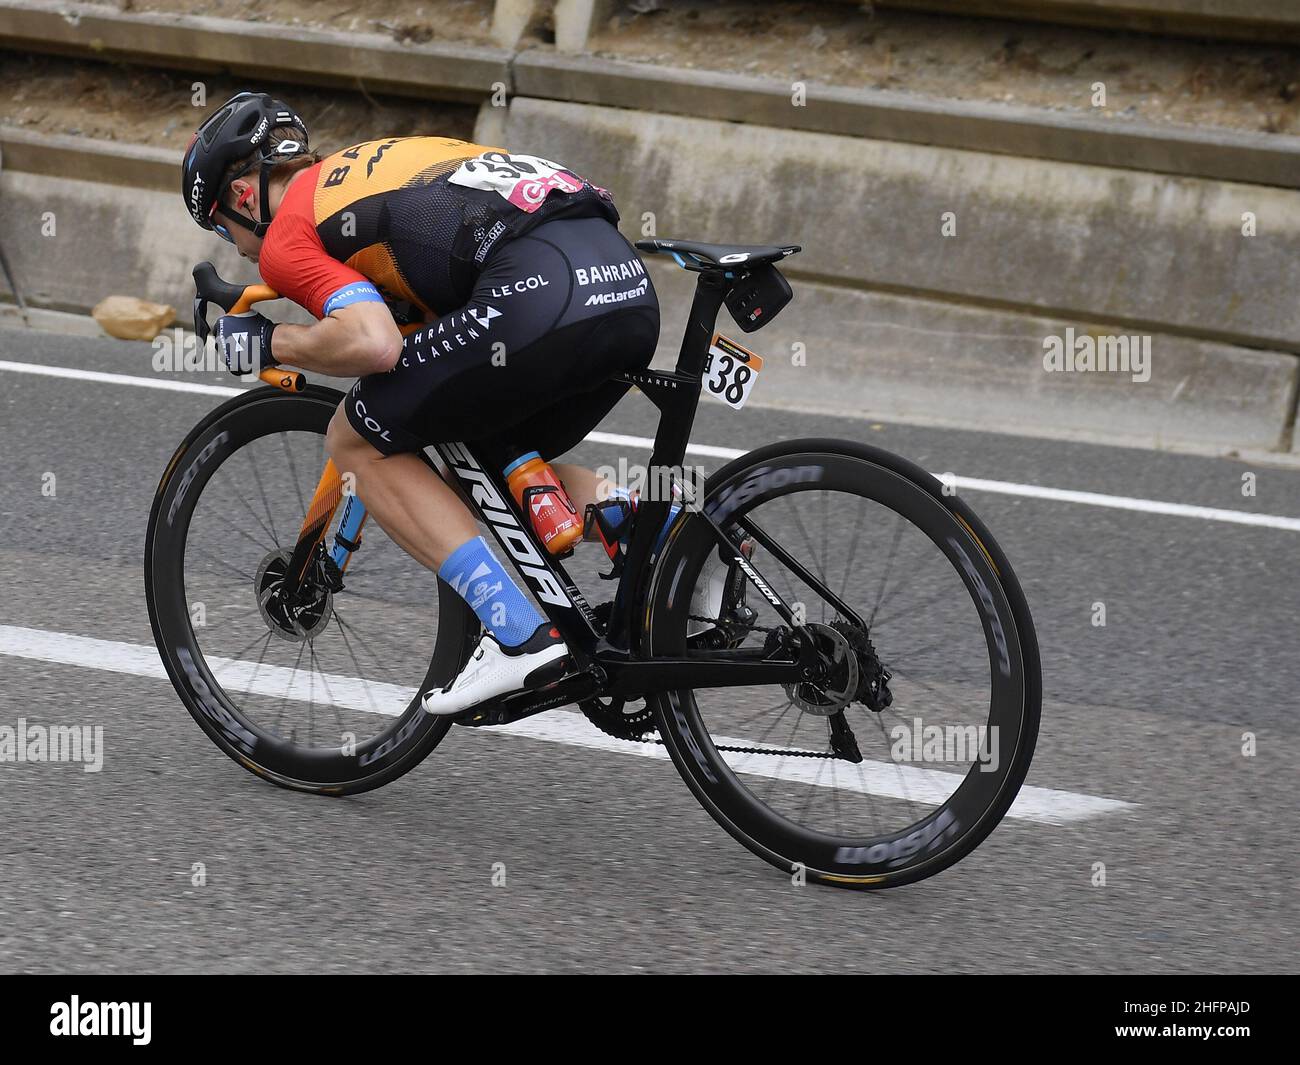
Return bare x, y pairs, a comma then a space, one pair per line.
244, 341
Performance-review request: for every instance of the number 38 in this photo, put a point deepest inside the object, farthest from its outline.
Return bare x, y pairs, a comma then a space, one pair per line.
733, 390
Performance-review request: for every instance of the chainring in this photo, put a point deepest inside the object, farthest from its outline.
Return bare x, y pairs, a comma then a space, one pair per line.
613, 718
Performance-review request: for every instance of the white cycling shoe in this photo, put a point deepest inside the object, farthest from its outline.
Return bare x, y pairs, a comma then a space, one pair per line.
494, 670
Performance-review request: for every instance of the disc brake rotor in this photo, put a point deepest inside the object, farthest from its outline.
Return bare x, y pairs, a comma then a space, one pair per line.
296, 620
840, 684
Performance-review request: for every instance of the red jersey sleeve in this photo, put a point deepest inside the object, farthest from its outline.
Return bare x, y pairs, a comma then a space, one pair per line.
294, 262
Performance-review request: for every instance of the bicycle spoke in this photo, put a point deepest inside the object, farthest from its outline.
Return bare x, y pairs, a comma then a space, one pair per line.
826, 552
257, 479
249, 646
751, 720
889, 563
902, 777
808, 542
942, 595
239, 498
329, 692
257, 666
780, 761
242, 532
355, 664
293, 472
242, 613
285, 697
858, 525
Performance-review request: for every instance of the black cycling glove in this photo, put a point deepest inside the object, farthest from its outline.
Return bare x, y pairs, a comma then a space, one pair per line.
244, 341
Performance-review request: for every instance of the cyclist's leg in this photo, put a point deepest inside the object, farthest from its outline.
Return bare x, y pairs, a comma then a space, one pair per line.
622, 339
561, 427
522, 343
420, 512
388, 417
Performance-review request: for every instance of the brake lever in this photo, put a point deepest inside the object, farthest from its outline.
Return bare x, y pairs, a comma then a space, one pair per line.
209, 287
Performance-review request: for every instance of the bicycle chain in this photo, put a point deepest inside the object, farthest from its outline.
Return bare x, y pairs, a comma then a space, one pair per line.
601, 721
714, 621
758, 750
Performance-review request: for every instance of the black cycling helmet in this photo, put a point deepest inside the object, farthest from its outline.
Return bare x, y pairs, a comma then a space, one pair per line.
240, 128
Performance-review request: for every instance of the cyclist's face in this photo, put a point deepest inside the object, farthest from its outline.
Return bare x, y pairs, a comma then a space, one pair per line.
242, 198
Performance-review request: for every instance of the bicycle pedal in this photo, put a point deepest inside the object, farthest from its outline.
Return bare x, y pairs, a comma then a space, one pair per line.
512, 706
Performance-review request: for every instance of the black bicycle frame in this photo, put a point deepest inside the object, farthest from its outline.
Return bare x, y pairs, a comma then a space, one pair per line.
612, 663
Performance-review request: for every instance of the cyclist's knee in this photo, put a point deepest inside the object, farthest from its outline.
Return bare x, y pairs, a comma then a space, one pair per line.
341, 439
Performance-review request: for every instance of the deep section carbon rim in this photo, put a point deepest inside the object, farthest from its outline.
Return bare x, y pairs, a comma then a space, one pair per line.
323, 695
909, 751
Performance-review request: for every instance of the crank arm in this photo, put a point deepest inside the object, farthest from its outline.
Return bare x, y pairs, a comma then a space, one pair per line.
515, 706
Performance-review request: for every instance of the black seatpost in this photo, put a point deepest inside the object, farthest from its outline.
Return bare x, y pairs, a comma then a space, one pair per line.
710, 290
676, 395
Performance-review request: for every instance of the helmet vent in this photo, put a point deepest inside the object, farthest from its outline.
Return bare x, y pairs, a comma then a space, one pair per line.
213, 126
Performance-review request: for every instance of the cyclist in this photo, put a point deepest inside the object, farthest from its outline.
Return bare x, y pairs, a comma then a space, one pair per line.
477, 294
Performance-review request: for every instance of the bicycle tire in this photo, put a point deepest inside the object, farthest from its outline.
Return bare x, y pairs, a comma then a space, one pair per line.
329, 771
687, 738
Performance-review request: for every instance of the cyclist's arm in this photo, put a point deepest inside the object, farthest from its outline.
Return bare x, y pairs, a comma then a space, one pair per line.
356, 334
356, 340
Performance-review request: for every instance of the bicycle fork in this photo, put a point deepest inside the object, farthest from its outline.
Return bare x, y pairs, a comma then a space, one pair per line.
329, 494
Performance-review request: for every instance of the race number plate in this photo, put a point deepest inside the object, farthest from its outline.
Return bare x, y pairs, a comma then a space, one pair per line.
524, 180
731, 371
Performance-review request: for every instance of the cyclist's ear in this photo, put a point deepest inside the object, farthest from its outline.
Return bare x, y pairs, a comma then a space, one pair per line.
242, 196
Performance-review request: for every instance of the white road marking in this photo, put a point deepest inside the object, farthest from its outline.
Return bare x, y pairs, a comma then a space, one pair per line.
167, 384
277, 682
1146, 506
882, 779
975, 484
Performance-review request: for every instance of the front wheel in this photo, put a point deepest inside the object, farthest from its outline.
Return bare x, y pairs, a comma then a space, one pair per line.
910, 750
320, 693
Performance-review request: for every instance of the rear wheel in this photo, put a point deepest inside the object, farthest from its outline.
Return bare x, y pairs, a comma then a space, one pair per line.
320, 693
912, 747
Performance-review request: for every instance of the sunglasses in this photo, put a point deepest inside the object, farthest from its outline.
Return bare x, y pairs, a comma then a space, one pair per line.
222, 231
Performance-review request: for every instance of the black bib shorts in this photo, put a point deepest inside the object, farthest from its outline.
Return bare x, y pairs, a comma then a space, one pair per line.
527, 361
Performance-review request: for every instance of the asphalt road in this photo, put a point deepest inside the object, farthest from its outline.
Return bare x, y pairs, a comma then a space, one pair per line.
610, 865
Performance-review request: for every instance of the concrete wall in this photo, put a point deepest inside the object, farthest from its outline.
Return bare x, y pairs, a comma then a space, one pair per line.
894, 318
1097, 242
888, 306
106, 240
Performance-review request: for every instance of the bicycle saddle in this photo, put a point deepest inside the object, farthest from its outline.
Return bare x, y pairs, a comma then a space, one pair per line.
719, 255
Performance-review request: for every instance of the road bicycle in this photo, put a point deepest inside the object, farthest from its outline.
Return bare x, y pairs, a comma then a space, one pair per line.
831, 648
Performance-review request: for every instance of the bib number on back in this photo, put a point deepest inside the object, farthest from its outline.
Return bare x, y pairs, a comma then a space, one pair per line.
524, 180
731, 371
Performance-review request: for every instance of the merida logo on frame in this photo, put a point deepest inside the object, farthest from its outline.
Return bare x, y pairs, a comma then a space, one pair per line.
132, 1019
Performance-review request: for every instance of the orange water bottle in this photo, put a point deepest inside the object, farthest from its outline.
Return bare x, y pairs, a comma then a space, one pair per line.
541, 496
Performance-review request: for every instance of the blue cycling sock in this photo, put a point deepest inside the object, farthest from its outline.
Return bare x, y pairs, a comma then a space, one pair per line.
473, 570
625, 533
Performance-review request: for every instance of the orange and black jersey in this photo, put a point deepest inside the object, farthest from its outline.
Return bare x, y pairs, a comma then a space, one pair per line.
411, 221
